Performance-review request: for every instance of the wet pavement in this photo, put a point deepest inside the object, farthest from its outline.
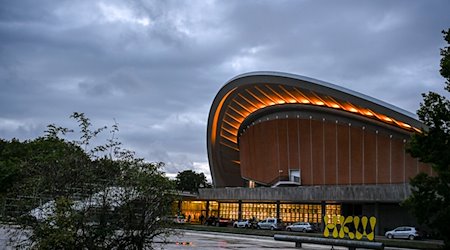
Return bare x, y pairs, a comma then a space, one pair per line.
211, 240
186, 239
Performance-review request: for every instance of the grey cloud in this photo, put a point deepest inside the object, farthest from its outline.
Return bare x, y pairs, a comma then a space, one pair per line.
156, 66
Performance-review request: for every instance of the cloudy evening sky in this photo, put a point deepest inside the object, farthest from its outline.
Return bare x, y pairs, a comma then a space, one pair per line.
156, 66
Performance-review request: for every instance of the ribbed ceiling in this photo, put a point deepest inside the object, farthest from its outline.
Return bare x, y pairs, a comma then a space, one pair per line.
257, 97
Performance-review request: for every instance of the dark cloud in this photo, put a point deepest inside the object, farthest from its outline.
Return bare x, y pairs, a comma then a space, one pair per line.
155, 66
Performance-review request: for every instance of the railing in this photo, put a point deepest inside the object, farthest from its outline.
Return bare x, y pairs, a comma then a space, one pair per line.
351, 244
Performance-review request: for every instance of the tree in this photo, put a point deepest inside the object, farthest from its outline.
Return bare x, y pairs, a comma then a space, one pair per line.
430, 198
191, 181
73, 195
9, 169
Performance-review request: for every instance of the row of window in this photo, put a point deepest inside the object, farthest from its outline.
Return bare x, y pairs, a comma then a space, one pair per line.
288, 212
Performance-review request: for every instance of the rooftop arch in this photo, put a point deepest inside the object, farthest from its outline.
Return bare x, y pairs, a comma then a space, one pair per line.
242, 99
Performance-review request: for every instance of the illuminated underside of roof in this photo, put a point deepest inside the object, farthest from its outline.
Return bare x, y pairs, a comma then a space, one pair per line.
251, 93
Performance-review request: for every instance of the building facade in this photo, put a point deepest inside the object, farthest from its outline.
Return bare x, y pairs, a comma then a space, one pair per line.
296, 148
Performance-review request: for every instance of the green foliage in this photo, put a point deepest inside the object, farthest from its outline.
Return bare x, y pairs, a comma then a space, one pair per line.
432, 144
445, 60
59, 231
9, 164
191, 181
72, 195
430, 198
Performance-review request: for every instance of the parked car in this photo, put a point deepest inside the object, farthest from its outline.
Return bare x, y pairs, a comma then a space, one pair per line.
216, 221
223, 222
271, 223
403, 233
300, 227
211, 221
179, 219
243, 223
174, 219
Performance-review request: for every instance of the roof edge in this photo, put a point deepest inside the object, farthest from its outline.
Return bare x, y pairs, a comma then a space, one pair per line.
327, 85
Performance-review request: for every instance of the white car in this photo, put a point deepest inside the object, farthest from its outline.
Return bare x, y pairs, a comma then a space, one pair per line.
179, 219
271, 223
242, 223
300, 227
403, 233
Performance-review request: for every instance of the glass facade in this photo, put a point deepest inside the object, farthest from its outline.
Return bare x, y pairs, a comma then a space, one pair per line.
307, 212
258, 211
289, 212
213, 208
229, 210
193, 209
332, 209
301, 212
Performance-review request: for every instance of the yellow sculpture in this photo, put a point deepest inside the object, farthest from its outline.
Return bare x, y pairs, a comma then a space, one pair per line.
352, 226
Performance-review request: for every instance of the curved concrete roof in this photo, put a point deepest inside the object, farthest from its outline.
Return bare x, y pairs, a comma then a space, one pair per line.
248, 94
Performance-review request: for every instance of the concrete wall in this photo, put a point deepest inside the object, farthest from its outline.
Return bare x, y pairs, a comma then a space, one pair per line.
356, 193
389, 216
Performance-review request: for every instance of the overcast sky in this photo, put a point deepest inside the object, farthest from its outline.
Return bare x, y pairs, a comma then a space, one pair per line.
156, 66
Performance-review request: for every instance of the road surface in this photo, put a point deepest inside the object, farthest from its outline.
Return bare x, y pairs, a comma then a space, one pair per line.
186, 239
211, 240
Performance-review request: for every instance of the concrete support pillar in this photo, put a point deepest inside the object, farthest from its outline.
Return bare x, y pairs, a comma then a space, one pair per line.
322, 206
180, 202
240, 210
207, 209
376, 212
278, 209
218, 209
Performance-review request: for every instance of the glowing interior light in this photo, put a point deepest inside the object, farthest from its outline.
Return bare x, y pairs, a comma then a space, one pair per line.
352, 109
334, 105
277, 94
406, 125
271, 103
369, 113
292, 101
320, 103
387, 119
305, 101
281, 102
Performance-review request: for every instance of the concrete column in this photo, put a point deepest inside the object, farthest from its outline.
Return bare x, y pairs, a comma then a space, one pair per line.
218, 209
240, 210
376, 212
278, 209
207, 210
322, 224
